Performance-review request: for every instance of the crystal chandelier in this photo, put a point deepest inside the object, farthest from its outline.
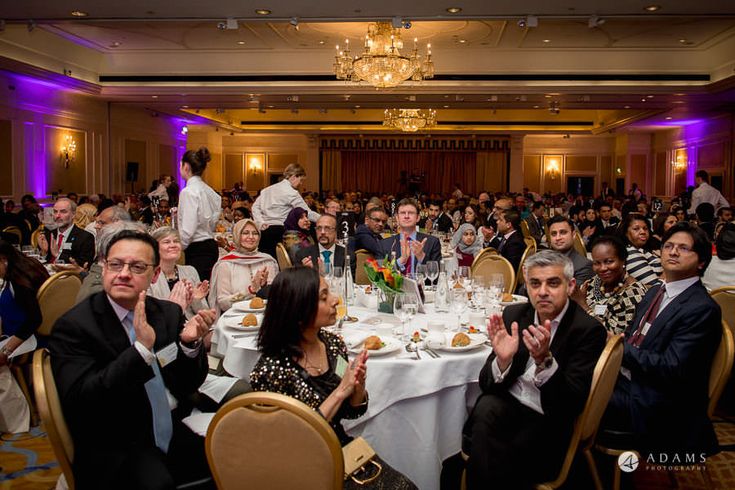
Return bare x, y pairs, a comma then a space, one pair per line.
381, 64
410, 120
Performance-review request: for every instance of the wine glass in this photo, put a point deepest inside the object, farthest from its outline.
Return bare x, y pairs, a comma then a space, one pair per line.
421, 274
464, 276
459, 304
341, 312
400, 312
410, 306
432, 270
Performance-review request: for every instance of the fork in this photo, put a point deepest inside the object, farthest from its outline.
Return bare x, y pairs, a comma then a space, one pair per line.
413, 349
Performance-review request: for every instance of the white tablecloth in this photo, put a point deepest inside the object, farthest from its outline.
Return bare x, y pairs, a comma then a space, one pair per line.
417, 408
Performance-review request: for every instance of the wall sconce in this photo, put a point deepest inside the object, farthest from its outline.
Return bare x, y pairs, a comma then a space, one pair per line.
552, 168
255, 164
69, 150
680, 163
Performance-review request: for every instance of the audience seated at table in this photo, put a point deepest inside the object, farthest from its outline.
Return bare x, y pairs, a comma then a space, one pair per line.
661, 224
643, 262
472, 216
661, 395
113, 389
536, 221
301, 360
591, 227
369, 234
67, 243
562, 231
177, 283
466, 244
612, 294
534, 384
243, 273
437, 219
721, 271
20, 316
410, 246
509, 240
298, 234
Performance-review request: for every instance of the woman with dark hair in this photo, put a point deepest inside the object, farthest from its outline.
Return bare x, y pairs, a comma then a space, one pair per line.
612, 294
471, 216
661, 224
20, 316
301, 360
591, 227
721, 270
198, 213
642, 263
298, 234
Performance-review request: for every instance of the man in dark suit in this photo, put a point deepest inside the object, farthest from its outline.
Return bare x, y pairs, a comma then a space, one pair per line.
535, 383
536, 221
437, 220
116, 357
369, 234
561, 231
68, 242
661, 395
609, 222
410, 246
509, 241
326, 253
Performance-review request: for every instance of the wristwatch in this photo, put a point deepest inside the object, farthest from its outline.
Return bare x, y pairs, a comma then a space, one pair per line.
546, 363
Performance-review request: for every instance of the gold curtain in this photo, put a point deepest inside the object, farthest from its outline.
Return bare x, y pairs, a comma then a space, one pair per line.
331, 170
492, 171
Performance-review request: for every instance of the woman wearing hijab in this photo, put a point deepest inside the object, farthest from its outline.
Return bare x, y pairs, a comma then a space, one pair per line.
244, 272
467, 244
721, 271
298, 234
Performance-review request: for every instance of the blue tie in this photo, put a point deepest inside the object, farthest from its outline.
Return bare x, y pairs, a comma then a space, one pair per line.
327, 257
156, 390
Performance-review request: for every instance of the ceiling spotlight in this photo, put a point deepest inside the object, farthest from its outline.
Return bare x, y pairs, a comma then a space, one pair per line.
78, 13
115, 44
232, 24
547, 41
669, 118
262, 11
528, 21
454, 10
294, 22
595, 21
241, 43
554, 107
652, 8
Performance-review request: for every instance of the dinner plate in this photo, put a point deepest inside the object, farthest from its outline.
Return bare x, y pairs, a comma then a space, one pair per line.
391, 345
245, 306
517, 300
233, 324
476, 341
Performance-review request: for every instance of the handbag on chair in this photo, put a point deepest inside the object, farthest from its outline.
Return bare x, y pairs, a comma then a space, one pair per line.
358, 454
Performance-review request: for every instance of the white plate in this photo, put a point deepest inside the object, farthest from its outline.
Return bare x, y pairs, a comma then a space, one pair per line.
476, 341
517, 300
391, 345
233, 324
245, 306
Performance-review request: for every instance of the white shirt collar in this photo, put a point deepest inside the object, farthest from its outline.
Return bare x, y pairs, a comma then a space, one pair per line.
330, 249
509, 234
119, 310
675, 288
555, 322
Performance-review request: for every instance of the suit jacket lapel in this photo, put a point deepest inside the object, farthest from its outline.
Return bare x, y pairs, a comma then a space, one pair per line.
662, 319
110, 328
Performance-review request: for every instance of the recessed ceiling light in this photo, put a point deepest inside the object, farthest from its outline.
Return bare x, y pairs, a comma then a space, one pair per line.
184, 106
626, 107
321, 43
547, 40
240, 42
79, 13
154, 96
357, 107
454, 10
262, 11
652, 8
115, 44
462, 41
644, 100
446, 107
536, 107
669, 118
649, 96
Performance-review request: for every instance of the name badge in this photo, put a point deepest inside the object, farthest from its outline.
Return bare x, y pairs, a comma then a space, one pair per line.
341, 366
646, 328
167, 355
66, 246
600, 310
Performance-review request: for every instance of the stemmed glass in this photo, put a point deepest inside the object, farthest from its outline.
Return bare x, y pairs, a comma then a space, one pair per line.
410, 305
341, 312
464, 276
497, 282
432, 270
459, 304
401, 312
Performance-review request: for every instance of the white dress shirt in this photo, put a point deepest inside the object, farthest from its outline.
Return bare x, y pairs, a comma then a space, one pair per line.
199, 208
526, 388
706, 193
276, 201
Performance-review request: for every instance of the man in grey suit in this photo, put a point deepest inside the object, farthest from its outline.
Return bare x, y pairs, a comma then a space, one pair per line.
561, 231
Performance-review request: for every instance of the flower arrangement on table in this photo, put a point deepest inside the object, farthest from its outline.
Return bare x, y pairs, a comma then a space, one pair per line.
387, 279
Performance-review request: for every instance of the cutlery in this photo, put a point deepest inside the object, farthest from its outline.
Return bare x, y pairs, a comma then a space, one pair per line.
413, 349
433, 353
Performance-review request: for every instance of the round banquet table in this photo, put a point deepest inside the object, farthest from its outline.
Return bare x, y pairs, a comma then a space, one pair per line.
417, 407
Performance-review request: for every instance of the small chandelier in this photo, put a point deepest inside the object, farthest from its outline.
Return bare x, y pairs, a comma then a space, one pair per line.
381, 64
69, 150
410, 120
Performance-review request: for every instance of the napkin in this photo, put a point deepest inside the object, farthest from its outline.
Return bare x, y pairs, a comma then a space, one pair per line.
354, 338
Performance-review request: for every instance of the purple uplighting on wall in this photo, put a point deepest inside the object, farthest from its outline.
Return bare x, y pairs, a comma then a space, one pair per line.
35, 161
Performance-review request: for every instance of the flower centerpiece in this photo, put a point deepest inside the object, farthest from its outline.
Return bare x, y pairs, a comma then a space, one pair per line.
387, 281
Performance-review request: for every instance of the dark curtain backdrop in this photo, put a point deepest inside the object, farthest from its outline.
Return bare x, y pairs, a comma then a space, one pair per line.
380, 171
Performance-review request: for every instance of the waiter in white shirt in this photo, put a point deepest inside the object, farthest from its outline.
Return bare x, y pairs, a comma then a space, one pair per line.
271, 208
706, 193
199, 209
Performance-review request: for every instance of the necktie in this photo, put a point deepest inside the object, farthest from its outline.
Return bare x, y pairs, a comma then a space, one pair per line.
501, 245
58, 245
156, 391
327, 261
637, 338
409, 264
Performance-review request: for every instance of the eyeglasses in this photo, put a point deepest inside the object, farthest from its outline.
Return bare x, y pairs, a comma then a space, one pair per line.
684, 249
325, 228
134, 267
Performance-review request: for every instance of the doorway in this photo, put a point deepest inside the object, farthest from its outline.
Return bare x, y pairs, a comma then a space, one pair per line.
581, 186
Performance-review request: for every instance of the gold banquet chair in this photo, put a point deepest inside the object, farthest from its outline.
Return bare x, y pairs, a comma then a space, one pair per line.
725, 297
55, 297
530, 250
496, 264
284, 261
579, 245
361, 276
15, 232
484, 253
52, 415
585, 428
288, 445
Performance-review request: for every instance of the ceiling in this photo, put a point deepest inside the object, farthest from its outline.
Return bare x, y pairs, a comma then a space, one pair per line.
606, 64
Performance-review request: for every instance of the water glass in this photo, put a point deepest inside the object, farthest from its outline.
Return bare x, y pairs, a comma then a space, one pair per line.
458, 304
400, 312
410, 306
432, 270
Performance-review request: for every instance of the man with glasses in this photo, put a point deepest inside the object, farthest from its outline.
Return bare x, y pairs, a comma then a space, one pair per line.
410, 246
488, 231
326, 252
125, 365
661, 395
369, 234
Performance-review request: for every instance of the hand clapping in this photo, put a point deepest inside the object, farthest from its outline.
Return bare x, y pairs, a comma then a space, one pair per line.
505, 345
198, 326
537, 340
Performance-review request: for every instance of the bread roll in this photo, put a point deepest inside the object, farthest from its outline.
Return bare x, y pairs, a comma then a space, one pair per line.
249, 320
373, 343
257, 303
460, 340
507, 297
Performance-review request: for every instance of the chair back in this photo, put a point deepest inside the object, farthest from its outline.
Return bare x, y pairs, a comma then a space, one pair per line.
34, 237
496, 264
284, 261
525, 229
484, 253
721, 367
530, 250
725, 297
579, 245
52, 416
585, 428
269, 440
15, 233
361, 276
55, 297
530, 242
